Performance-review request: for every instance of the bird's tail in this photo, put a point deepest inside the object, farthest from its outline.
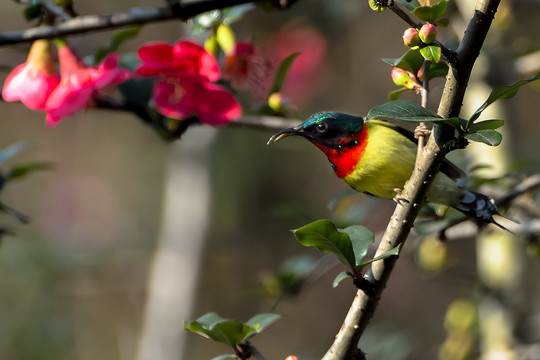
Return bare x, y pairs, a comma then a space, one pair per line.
481, 208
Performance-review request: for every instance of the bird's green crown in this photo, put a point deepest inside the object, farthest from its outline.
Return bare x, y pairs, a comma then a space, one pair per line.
346, 123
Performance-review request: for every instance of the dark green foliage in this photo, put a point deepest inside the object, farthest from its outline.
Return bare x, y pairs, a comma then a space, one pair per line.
431, 13
230, 332
281, 73
349, 245
431, 53
501, 92
410, 111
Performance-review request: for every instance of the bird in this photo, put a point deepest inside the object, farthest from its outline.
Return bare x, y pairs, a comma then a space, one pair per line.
377, 157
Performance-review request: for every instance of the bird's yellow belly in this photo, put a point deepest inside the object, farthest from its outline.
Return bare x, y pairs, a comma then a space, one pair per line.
387, 164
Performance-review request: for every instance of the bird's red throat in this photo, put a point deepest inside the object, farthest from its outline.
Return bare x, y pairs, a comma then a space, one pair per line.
345, 158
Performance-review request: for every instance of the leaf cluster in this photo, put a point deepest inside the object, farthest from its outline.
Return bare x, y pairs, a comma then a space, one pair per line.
348, 245
470, 129
231, 332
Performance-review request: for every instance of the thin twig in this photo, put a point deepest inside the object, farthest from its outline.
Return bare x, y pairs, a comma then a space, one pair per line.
263, 122
135, 16
424, 93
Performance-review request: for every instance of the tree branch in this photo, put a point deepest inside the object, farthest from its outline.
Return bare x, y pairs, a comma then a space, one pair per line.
135, 16
363, 306
262, 122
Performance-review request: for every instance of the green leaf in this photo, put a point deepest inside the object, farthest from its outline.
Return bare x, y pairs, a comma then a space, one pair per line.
115, 42
227, 331
411, 61
431, 13
260, 322
386, 254
14, 150
485, 125
406, 110
281, 73
324, 235
444, 22
221, 330
488, 137
439, 69
501, 92
394, 95
409, 4
21, 171
340, 277
431, 53
290, 276
361, 237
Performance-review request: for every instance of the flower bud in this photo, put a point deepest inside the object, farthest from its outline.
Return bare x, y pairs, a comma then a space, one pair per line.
411, 39
211, 45
427, 33
377, 6
405, 78
276, 102
225, 38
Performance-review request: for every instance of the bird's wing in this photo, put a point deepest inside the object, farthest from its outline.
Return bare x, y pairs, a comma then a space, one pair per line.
447, 167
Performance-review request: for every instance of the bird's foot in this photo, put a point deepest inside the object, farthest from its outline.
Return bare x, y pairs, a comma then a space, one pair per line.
421, 130
398, 198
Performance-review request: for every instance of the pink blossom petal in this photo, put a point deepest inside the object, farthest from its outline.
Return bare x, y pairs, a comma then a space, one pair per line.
108, 72
181, 97
156, 57
29, 86
33, 81
66, 101
218, 106
79, 84
193, 58
170, 100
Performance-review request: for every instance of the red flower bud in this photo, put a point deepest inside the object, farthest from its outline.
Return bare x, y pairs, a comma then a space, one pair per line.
411, 39
427, 33
405, 78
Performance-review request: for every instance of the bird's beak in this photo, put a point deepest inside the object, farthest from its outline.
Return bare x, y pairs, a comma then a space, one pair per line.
296, 130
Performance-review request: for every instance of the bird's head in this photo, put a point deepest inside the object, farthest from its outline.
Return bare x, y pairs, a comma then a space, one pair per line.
330, 130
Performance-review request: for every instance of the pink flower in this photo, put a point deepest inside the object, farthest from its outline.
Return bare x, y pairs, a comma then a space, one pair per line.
181, 97
185, 86
185, 57
33, 81
79, 83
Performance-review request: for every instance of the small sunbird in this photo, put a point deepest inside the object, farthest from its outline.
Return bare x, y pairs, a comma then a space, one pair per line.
377, 157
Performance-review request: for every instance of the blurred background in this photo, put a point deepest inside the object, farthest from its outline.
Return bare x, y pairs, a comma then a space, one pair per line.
131, 235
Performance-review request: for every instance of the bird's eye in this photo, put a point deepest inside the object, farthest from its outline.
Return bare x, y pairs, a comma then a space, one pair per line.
321, 127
